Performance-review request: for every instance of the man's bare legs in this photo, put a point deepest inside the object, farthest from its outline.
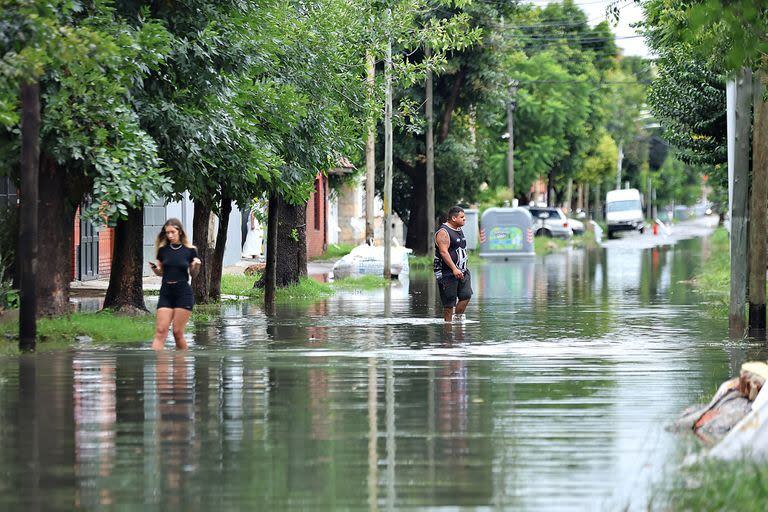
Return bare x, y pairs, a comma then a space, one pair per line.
461, 306
448, 313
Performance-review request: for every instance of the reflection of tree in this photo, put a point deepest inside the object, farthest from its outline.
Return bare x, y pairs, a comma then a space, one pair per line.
94, 402
36, 433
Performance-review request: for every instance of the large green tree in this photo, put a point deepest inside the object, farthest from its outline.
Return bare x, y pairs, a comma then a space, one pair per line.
86, 58
467, 80
573, 90
688, 96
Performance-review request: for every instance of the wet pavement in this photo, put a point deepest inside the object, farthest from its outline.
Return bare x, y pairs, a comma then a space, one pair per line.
553, 396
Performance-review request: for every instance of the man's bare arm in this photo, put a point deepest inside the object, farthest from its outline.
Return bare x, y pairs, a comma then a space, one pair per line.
443, 242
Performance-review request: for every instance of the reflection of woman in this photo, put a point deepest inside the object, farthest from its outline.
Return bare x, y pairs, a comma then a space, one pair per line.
176, 258
252, 246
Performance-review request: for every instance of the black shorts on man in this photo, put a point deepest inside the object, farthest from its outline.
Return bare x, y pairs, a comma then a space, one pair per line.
453, 290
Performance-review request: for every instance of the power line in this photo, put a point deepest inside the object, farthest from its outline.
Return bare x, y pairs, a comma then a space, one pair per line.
545, 3
586, 39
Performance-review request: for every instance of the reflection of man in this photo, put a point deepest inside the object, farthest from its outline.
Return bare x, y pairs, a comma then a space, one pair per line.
450, 266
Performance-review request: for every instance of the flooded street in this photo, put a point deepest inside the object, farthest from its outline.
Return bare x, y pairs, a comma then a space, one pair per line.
553, 397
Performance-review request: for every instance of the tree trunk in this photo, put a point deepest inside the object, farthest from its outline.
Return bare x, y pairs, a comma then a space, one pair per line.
450, 105
598, 203
56, 216
221, 243
590, 213
551, 188
28, 220
200, 230
270, 271
126, 287
429, 184
370, 150
417, 236
291, 242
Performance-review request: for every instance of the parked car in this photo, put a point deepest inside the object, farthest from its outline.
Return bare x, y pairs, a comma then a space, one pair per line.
576, 225
552, 222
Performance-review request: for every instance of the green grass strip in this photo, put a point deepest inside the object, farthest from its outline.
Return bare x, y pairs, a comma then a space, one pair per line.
360, 283
335, 251
714, 279
717, 485
543, 245
100, 327
305, 290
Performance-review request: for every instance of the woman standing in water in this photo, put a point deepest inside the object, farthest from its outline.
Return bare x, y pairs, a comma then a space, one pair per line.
176, 260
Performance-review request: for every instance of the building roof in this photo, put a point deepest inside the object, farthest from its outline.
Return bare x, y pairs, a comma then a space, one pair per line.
343, 166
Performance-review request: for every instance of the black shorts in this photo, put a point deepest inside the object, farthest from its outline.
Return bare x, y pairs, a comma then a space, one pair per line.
176, 295
452, 290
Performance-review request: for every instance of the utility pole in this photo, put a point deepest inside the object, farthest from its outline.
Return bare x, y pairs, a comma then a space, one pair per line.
587, 201
270, 271
27, 249
758, 202
648, 196
370, 148
619, 165
511, 104
430, 160
739, 120
388, 155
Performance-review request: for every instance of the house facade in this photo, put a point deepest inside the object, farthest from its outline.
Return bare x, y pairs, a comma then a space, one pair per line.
347, 204
317, 228
93, 246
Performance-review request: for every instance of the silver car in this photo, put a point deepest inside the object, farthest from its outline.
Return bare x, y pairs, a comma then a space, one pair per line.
550, 222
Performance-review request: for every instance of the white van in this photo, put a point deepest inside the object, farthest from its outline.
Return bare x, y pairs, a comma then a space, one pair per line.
623, 211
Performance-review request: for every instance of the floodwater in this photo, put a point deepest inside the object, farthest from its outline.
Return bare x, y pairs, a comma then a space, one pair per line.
553, 397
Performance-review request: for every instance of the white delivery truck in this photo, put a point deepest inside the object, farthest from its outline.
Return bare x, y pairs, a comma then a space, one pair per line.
623, 211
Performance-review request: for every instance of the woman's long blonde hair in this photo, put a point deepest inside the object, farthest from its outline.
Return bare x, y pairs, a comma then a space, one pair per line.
162, 239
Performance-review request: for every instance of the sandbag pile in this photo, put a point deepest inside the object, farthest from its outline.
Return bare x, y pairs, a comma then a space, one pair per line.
736, 419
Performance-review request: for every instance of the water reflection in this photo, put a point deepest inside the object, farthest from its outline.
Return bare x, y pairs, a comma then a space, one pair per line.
553, 397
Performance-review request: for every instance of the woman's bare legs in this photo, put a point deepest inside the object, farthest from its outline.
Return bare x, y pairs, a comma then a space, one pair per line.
164, 317
180, 319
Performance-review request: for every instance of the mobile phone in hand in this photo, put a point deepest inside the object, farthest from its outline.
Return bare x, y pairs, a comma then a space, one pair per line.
152, 264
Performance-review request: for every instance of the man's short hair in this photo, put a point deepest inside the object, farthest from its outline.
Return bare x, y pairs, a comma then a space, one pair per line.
454, 211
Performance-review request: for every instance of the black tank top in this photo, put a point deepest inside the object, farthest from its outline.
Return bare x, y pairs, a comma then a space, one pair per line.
457, 250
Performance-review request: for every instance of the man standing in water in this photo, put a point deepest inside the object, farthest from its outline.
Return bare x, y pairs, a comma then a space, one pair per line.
450, 266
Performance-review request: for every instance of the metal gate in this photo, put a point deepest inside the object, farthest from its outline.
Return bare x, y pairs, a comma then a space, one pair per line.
88, 252
154, 218
8, 194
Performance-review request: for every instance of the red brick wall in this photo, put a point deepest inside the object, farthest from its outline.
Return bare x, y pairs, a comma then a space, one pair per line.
106, 246
317, 212
75, 243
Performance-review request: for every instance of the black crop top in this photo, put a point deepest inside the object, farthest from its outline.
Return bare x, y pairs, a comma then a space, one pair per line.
176, 260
